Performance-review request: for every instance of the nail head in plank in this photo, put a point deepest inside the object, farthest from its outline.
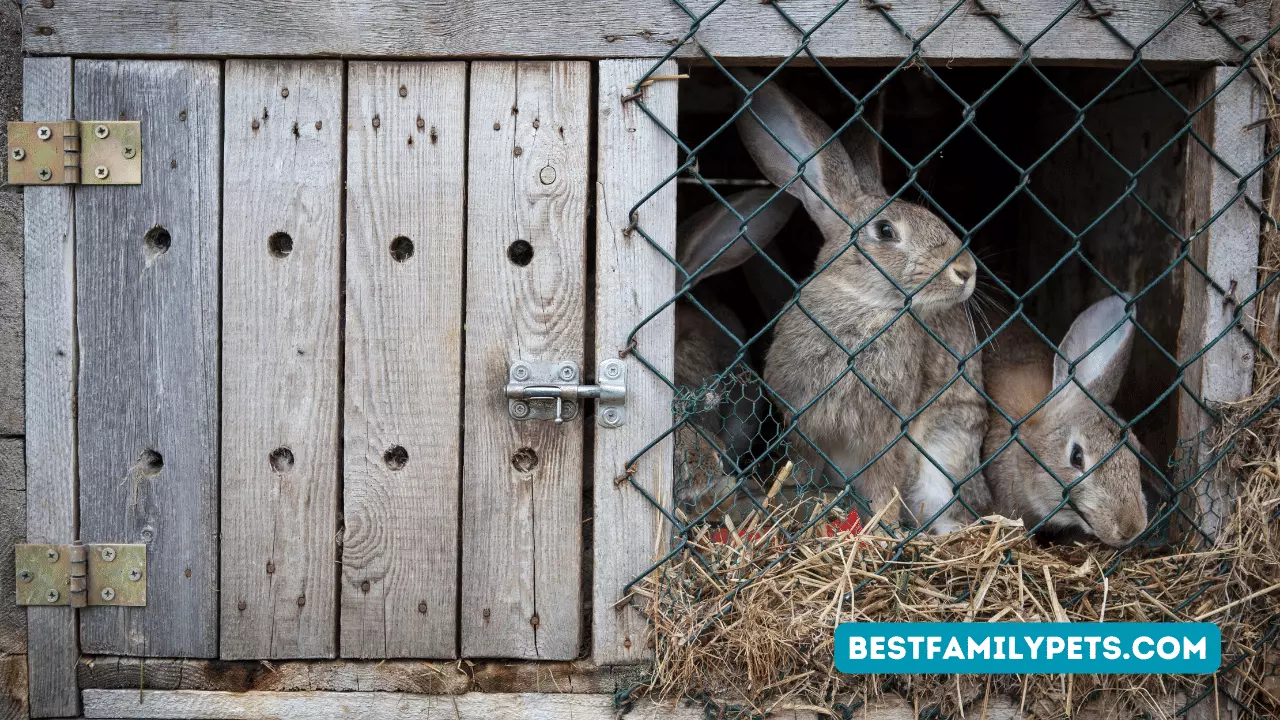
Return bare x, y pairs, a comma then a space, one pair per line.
633, 279
49, 268
738, 29
522, 522
147, 320
405, 199
282, 195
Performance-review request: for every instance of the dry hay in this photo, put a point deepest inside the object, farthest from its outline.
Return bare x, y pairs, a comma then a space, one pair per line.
750, 623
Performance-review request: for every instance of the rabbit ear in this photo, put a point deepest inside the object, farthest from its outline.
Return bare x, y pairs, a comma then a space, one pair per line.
864, 148
1100, 372
711, 228
800, 132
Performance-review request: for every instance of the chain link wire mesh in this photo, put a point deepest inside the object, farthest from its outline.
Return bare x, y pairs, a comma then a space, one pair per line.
757, 465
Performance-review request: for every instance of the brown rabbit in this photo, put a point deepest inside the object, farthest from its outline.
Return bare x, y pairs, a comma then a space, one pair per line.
856, 306
728, 410
1071, 434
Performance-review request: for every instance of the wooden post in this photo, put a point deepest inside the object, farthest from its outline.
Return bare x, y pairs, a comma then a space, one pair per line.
406, 153
1227, 250
282, 201
147, 318
51, 352
633, 279
526, 300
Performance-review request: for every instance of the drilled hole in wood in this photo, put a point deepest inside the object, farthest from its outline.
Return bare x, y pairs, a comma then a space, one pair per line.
280, 244
156, 241
395, 458
524, 459
281, 459
520, 252
401, 248
149, 462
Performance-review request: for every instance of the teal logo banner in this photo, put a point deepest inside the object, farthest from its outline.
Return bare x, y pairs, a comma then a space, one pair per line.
1028, 648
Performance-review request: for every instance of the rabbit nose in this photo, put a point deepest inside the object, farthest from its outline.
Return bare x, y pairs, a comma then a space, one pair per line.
961, 274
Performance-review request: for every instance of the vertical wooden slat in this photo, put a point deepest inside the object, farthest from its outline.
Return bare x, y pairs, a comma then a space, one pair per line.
282, 200
49, 268
1227, 250
406, 153
522, 523
632, 280
147, 317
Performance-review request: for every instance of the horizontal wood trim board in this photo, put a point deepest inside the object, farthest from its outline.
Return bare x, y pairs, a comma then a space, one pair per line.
412, 676
738, 29
196, 705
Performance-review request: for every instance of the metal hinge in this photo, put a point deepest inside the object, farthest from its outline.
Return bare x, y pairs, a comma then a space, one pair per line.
80, 575
106, 152
550, 391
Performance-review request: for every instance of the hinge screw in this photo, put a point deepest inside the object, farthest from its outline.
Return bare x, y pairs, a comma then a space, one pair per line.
129, 152
566, 373
612, 370
51, 596
108, 594
611, 416
569, 410
101, 172
43, 132
519, 410
25, 576
135, 574
101, 131
108, 554
520, 372
52, 555
44, 174
19, 154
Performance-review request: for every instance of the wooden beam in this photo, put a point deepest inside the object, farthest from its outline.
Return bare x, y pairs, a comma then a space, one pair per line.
633, 279
1225, 232
282, 200
528, 159
737, 30
411, 676
51, 355
406, 149
196, 705
147, 263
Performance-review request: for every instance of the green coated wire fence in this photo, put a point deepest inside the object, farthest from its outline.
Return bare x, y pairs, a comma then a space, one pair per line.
874, 354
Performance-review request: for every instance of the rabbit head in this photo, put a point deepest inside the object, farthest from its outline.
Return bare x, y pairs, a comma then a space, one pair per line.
841, 189
1072, 435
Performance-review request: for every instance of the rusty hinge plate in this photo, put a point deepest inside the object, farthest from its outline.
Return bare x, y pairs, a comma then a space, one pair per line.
81, 575
105, 152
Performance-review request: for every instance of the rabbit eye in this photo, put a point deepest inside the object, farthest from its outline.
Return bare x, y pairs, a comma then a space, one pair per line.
885, 230
1077, 457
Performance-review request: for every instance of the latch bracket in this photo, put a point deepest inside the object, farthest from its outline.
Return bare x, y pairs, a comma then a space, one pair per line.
79, 575
69, 152
550, 391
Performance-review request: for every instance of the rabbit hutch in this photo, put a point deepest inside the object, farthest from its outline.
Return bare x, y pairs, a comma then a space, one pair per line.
377, 353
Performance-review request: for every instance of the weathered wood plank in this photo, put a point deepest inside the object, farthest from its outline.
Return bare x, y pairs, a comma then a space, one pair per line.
49, 268
522, 480
13, 688
191, 705
1227, 250
282, 197
622, 28
147, 316
414, 676
633, 279
406, 145
183, 705
13, 530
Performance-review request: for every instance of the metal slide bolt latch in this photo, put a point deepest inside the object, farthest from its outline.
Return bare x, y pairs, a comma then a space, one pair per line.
550, 391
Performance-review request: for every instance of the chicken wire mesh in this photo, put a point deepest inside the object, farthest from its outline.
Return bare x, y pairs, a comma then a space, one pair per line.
875, 391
